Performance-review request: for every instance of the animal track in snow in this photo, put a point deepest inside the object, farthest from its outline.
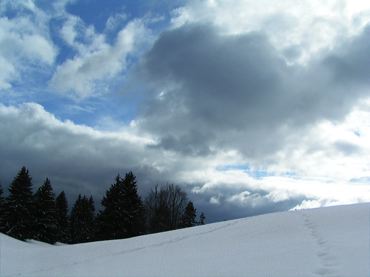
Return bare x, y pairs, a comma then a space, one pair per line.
327, 259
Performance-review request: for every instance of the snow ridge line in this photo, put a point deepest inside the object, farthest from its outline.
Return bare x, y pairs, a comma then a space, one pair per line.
174, 240
327, 259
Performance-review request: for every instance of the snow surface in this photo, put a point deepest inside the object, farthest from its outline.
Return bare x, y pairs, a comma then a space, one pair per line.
319, 242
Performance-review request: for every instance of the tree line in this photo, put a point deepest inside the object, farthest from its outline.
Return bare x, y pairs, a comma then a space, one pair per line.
44, 217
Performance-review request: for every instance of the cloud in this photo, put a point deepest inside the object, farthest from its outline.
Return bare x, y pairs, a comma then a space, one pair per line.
97, 62
25, 44
80, 159
34, 36
7, 74
299, 31
207, 82
76, 157
212, 91
333, 151
250, 107
115, 20
68, 31
234, 193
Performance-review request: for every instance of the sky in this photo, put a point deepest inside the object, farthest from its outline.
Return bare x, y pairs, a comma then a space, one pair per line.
249, 106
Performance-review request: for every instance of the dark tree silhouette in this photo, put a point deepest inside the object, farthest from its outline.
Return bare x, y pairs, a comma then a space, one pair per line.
45, 214
2, 211
109, 221
135, 219
82, 220
123, 212
19, 208
189, 216
165, 208
61, 204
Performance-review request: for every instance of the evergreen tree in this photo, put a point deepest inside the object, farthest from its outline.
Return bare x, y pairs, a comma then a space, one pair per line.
109, 221
189, 216
202, 219
45, 214
135, 212
19, 208
82, 220
2, 211
123, 212
61, 204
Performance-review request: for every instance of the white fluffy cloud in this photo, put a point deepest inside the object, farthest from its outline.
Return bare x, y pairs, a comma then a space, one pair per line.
97, 62
298, 30
25, 43
334, 150
114, 21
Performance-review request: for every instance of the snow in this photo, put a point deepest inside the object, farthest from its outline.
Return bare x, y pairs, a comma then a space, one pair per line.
330, 241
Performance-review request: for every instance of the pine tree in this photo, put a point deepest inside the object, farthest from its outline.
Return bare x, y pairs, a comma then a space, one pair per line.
110, 222
123, 213
202, 219
82, 220
45, 214
61, 204
2, 211
188, 218
133, 205
19, 209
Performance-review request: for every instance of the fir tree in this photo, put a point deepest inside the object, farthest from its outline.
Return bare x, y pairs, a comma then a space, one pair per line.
45, 214
109, 221
61, 204
2, 211
82, 220
189, 216
19, 209
123, 212
135, 213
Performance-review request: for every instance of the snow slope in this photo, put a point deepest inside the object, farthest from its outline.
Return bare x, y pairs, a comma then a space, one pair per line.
320, 242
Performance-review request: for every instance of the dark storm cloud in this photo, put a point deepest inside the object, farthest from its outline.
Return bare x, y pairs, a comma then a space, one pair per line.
350, 64
190, 144
76, 158
236, 92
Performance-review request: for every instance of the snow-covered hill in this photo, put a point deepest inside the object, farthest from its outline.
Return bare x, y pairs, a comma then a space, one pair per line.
320, 242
